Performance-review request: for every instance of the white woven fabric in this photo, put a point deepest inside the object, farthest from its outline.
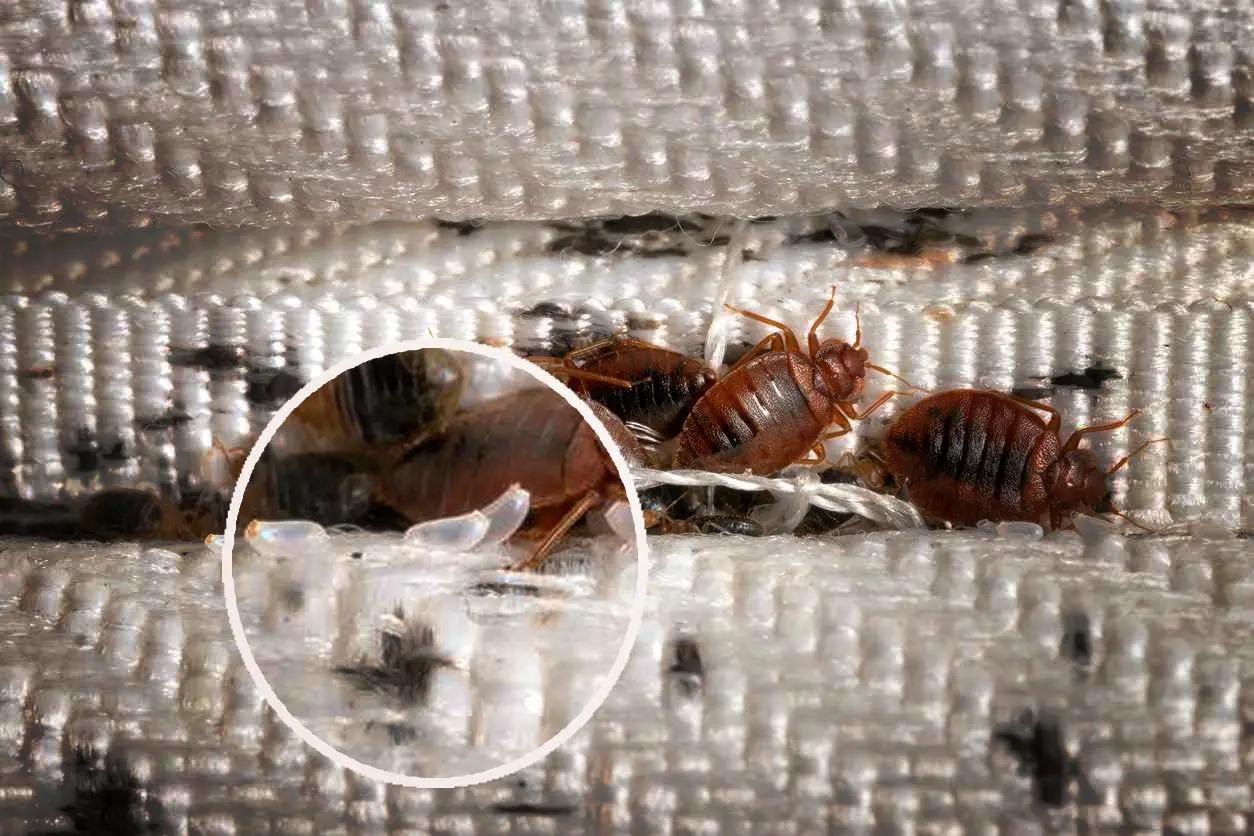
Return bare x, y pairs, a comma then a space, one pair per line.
870, 682
118, 113
120, 384
511, 660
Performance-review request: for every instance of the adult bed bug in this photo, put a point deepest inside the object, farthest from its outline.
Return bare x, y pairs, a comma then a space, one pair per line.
662, 385
971, 455
136, 514
776, 403
531, 438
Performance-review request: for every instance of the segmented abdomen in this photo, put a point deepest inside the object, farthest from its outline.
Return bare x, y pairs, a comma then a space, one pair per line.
757, 419
522, 438
971, 455
665, 385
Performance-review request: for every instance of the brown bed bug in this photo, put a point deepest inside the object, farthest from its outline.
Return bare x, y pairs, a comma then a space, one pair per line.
777, 402
662, 385
971, 455
636, 454
137, 514
531, 438
382, 404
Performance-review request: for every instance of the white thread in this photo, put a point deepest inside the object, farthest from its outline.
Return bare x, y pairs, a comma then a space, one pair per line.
716, 336
847, 499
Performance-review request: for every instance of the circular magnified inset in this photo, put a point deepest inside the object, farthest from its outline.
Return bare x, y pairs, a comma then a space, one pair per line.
434, 563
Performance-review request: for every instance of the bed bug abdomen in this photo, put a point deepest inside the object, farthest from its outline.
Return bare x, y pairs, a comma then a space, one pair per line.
759, 418
971, 455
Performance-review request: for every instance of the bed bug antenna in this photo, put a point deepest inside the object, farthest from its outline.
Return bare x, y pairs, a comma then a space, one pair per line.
894, 376
1119, 465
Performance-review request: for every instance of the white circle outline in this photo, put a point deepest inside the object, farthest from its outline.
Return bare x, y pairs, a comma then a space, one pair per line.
237, 626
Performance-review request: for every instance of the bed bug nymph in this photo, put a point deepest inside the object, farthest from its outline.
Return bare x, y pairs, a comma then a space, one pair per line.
972, 455
775, 405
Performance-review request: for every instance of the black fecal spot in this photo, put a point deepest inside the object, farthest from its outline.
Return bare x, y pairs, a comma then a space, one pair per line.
407, 662
271, 386
534, 809
1030, 243
687, 668
210, 357
1031, 393
463, 228
1093, 378
167, 421
1036, 740
504, 588
398, 733
108, 798
42, 373
115, 451
1077, 638
356, 555
589, 242
640, 224
663, 252
83, 453
818, 236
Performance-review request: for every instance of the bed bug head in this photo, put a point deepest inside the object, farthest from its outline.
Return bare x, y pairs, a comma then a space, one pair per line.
1076, 481
842, 370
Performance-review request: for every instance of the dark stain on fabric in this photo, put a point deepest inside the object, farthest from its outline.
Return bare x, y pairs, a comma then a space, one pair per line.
1091, 378
1035, 738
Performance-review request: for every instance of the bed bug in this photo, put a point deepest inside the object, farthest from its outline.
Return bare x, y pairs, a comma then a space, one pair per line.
383, 403
663, 385
137, 514
327, 488
531, 438
628, 443
776, 403
971, 455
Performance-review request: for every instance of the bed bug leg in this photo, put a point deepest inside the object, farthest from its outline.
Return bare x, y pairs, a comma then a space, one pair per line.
851, 410
232, 458
1055, 417
1073, 442
820, 455
790, 339
814, 328
775, 342
1138, 451
541, 552
565, 367
1116, 512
